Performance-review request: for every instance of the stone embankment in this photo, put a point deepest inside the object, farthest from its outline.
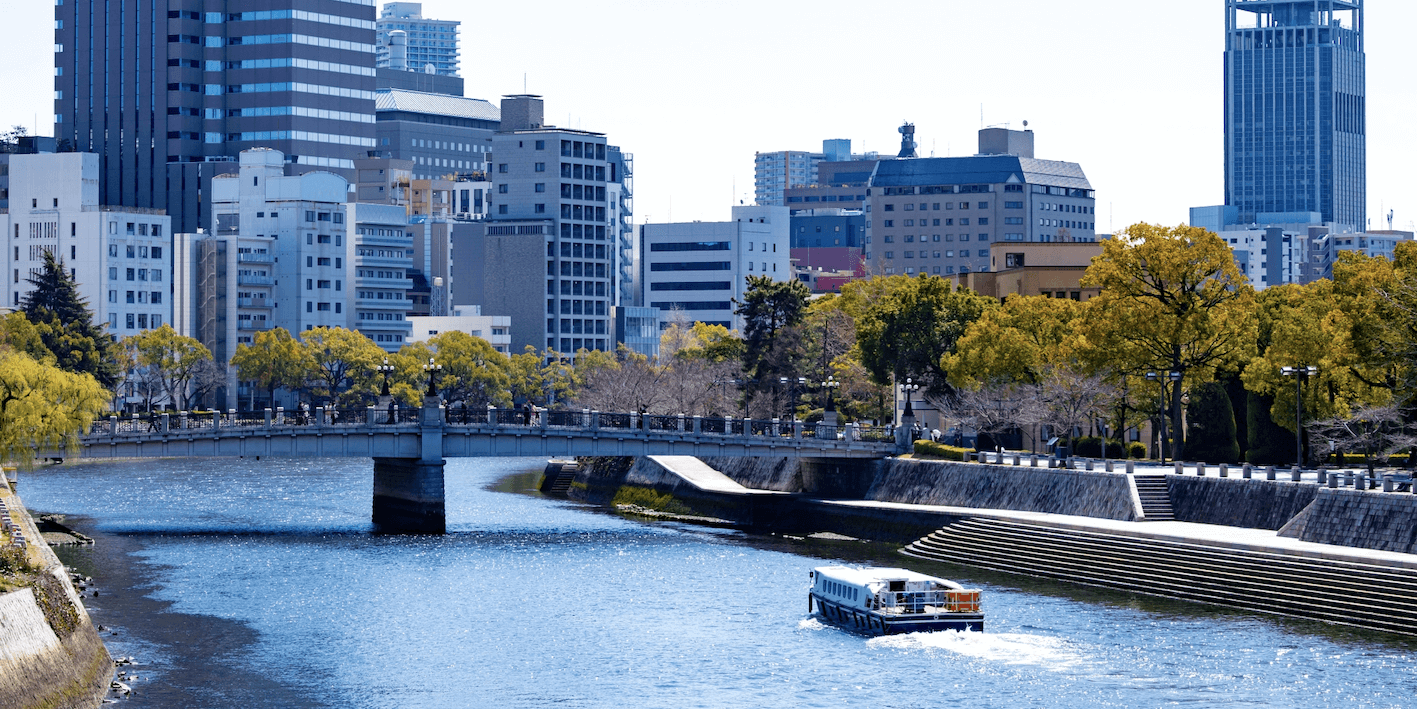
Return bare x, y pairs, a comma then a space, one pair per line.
50, 653
1356, 518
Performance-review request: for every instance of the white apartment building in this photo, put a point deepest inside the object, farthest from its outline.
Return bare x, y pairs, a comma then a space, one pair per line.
278, 255
496, 329
121, 257
701, 268
432, 45
383, 254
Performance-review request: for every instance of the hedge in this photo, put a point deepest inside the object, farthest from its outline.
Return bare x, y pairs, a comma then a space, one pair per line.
939, 450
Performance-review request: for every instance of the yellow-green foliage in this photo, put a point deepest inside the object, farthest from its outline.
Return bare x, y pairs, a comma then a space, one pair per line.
649, 499
939, 450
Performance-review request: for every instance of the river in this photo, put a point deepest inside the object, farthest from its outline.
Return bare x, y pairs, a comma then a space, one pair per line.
260, 584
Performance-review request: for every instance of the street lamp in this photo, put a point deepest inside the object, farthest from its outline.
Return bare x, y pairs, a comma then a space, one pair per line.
1154, 377
385, 369
1300, 374
906, 389
830, 384
432, 368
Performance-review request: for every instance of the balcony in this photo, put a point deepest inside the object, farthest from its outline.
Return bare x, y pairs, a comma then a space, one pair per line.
253, 303
253, 325
244, 280
389, 283
373, 304
255, 258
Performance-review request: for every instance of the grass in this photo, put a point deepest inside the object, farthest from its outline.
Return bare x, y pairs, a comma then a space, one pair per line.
650, 499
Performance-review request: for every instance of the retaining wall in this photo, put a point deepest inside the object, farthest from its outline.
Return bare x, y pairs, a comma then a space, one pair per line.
39, 667
1354, 518
1236, 502
1057, 491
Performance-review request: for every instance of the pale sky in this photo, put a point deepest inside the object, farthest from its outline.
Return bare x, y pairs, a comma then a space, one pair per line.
1130, 90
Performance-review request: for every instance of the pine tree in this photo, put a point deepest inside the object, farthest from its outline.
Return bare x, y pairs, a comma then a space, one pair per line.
66, 326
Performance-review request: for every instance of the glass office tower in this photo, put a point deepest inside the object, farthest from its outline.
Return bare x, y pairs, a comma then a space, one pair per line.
169, 92
1295, 87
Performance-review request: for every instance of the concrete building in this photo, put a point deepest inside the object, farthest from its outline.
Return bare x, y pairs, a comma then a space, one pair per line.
442, 135
777, 172
840, 185
620, 193
120, 257
549, 244
169, 94
1295, 110
428, 46
940, 215
1053, 270
496, 329
383, 248
700, 268
277, 255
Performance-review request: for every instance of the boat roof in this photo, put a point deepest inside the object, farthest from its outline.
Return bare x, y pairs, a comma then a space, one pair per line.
872, 574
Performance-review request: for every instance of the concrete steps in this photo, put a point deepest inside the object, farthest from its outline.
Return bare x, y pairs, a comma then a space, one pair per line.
1155, 497
1355, 594
559, 476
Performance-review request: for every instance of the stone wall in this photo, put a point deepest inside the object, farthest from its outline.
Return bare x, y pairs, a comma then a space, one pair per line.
40, 667
1056, 491
1236, 502
780, 474
1354, 518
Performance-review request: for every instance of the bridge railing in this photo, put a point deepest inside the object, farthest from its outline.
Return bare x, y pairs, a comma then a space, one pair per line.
212, 422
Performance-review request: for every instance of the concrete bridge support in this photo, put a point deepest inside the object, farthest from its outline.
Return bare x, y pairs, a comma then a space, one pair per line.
408, 492
408, 496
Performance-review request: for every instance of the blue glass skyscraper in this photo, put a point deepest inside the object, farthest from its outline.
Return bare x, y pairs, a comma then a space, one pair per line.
1295, 107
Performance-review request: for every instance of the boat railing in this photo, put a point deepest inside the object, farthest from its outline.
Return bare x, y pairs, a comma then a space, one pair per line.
946, 601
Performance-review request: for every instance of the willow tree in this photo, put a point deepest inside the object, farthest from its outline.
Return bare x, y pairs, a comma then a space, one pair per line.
43, 408
1172, 300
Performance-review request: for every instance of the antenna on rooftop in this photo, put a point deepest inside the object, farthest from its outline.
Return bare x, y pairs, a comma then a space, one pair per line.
1389, 220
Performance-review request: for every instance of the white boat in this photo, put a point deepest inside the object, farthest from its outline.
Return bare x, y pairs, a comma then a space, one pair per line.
884, 601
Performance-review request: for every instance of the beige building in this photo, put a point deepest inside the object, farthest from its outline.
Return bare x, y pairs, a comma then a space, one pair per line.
1050, 269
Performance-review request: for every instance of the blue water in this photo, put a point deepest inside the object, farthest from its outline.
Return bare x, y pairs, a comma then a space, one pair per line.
268, 570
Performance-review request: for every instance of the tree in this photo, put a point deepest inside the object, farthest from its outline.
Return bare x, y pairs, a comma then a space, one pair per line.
1210, 425
629, 382
473, 373
906, 332
1269, 444
1070, 401
340, 359
20, 334
1375, 431
1301, 326
43, 408
992, 409
272, 361
168, 362
1172, 300
543, 377
1017, 342
65, 325
771, 311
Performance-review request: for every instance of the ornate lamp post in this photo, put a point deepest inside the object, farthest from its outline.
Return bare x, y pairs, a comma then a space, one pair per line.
432, 368
385, 369
830, 384
907, 390
1300, 374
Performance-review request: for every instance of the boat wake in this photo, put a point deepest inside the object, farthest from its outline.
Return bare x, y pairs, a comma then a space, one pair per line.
1008, 648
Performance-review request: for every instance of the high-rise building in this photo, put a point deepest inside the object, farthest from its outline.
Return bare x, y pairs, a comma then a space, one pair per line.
940, 215
120, 257
169, 93
1295, 110
383, 247
407, 40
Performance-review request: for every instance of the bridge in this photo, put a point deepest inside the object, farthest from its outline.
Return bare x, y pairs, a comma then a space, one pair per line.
409, 446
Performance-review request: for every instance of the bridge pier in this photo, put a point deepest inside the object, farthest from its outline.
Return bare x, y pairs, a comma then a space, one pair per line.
408, 492
408, 496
